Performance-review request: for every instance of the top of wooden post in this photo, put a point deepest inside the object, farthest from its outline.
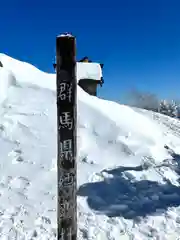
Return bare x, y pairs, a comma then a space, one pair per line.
65, 52
68, 35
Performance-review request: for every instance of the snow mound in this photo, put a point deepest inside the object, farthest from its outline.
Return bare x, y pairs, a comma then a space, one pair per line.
128, 164
7, 79
26, 73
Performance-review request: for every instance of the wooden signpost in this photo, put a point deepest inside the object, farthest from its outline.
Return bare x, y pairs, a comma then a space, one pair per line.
67, 132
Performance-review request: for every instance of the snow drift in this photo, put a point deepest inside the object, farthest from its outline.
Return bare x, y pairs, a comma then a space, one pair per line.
128, 164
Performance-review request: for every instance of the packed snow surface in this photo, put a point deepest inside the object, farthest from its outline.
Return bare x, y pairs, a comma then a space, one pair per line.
128, 164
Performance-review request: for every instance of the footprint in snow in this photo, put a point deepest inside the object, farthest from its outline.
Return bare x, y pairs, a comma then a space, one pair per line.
86, 160
2, 128
16, 155
19, 183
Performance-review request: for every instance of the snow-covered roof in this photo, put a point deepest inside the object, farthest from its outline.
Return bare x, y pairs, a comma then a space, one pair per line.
89, 70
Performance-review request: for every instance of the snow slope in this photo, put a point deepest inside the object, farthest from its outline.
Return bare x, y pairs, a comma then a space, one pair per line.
128, 181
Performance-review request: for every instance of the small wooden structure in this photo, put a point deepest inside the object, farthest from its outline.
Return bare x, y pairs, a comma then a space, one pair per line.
89, 84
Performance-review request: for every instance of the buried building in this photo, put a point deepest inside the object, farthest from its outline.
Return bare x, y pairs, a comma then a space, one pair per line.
89, 75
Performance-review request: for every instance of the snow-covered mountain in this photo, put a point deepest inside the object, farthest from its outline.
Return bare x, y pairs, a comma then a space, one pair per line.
128, 179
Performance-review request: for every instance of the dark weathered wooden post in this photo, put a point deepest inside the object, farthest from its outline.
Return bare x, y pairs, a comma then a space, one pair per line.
66, 117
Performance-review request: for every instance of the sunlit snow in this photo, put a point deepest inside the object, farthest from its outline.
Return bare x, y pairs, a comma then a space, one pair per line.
128, 180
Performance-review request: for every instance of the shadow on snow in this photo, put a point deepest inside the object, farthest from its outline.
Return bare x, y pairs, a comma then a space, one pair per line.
118, 196
175, 160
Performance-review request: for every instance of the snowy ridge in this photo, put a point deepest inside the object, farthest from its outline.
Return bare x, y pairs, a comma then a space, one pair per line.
26, 73
128, 179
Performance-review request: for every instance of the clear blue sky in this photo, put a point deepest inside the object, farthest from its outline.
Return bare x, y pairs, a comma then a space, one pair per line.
138, 41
